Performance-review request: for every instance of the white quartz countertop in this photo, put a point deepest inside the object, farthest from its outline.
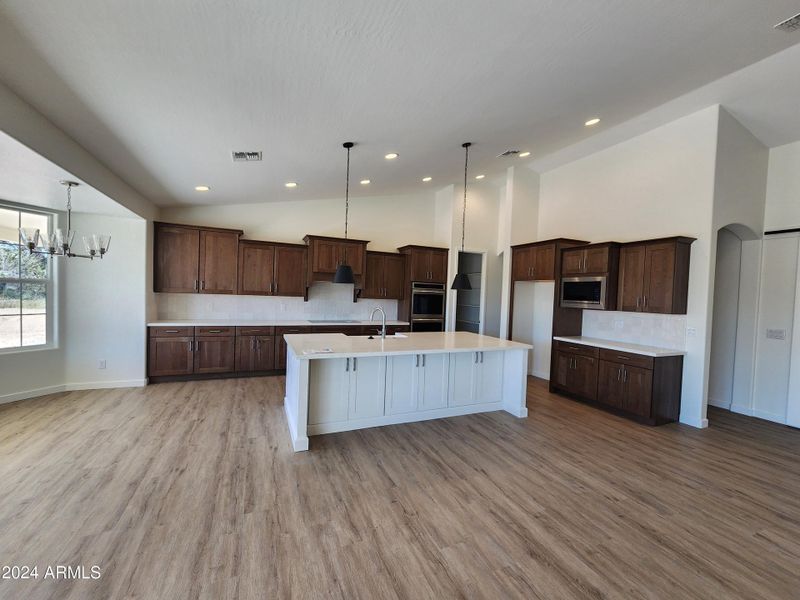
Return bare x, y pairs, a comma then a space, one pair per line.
264, 323
337, 345
654, 351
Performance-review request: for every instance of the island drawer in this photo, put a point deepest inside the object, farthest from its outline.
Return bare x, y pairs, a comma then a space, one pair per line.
628, 358
171, 331
579, 349
255, 331
215, 331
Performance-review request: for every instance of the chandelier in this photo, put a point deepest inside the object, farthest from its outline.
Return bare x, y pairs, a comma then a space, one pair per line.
59, 241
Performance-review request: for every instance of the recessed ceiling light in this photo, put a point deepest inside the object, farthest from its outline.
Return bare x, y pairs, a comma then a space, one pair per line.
426, 179
591, 122
201, 188
524, 154
479, 176
364, 181
391, 155
291, 184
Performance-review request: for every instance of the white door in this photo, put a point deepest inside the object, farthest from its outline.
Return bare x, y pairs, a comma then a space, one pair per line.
463, 370
489, 377
433, 381
329, 382
402, 374
367, 387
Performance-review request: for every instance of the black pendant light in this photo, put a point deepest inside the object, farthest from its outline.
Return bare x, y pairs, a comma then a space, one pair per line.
461, 281
344, 272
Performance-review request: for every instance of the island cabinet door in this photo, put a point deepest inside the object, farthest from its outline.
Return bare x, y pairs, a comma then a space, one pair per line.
367, 387
489, 377
328, 390
463, 378
402, 374
433, 381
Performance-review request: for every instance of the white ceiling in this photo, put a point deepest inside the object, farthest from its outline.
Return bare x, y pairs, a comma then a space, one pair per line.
28, 178
162, 92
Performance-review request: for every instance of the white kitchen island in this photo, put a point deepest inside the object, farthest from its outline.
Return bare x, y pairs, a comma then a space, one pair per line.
340, 383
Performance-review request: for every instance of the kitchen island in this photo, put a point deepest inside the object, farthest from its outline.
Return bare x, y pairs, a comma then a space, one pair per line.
339, 383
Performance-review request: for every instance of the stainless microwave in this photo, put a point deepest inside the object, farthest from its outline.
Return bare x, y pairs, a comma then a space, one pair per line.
584, 292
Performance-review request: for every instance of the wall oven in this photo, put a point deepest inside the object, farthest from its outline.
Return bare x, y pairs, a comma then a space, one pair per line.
427, 306
584, 292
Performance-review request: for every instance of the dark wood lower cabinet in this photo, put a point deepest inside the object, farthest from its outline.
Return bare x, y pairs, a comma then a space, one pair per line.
644, 387
170, 356
255, 353
214, 354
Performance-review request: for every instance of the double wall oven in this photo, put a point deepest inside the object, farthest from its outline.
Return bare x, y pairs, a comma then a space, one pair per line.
427, 306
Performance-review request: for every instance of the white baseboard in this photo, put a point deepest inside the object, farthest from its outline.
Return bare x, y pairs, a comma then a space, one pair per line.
541, 374
35, 393
768, 416
719, 403
699, 423
742, 409
72, 387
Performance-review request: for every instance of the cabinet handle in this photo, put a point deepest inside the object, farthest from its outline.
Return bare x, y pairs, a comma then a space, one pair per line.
347, 365
476, 358
197, 285
423, 360
271, 286
645, 302
258, 343
214, 331
417, 359
203, 284
619, 373
638, 301
355, 364
191, 345
423, 363
170, 331
276, 288
624, 375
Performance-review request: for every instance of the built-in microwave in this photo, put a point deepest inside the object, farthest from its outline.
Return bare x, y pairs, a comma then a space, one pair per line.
584, 292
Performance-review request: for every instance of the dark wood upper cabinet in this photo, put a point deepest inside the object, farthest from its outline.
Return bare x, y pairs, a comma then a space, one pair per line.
426, 263
176, 255
271, 269
523, 263
325, 254
654, 276
190, 259
385, 276
290, 270
591, 260
535, 262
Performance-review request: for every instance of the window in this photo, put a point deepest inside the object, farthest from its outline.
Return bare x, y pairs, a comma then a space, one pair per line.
25, 281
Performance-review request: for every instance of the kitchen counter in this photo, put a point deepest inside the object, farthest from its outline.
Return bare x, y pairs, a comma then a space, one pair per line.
338, 383
653, 351
263, 323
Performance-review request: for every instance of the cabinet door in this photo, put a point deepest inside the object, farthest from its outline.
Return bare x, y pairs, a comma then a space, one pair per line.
420, 265
638, 390
324, 256
265, 353
463, 371
328, 389
522, 264
659, 278
433, 383
394, 273
595, 260
562, 369
490, 377
367, 387
572, 262
439, 266
402, 383
171, 356
214, 354
544, 258
374, 278
610, 387
290, 271
256, 268
176, 259
219, 251
280, 343
631, 278
353, 255
583, 380
245, 353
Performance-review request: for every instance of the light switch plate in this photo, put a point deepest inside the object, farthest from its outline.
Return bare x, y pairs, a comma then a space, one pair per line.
776, 334
691, 331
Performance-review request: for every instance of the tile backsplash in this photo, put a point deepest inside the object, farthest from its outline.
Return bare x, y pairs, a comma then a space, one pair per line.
326, 301
665, 331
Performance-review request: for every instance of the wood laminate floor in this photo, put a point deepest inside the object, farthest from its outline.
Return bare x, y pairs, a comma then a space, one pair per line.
191, 490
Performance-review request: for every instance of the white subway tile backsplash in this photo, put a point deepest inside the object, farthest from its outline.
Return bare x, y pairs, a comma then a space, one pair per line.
664, 331
326, 301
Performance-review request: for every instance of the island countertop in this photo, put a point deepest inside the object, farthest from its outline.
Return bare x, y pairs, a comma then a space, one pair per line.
337, 345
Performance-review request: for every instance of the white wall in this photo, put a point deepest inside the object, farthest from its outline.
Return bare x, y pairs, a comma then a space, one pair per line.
783, 188
533, 323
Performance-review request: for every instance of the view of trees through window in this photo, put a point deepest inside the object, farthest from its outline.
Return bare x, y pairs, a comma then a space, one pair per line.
24, 281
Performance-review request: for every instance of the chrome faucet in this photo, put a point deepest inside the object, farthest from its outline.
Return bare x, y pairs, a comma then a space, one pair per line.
383, 320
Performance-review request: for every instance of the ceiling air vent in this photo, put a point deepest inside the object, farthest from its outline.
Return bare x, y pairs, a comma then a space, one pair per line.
790, 24
246, 156
508, 153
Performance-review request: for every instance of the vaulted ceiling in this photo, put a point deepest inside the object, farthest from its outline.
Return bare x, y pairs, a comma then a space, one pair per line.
162, 92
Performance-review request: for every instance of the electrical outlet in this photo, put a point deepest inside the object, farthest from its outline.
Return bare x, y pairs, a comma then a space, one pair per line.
619, 324
691, 332
101, 364
776, 334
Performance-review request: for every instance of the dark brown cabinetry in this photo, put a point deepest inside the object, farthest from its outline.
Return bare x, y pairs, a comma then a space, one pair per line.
171, 351
269, 269
325, 254
425, 263
594, 259
385, 276
255, 349
574, 371
191, 259
214, 354
533, 262
654, 276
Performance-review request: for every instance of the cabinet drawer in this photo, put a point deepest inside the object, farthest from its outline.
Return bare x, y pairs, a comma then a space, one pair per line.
628, 358
255, 331
215, 331
577, 349
171, 331
280, 331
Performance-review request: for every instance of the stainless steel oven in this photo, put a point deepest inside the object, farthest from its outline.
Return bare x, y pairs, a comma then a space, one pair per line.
427, 306
584, 292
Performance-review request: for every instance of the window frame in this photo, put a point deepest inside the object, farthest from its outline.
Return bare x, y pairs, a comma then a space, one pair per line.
51, 312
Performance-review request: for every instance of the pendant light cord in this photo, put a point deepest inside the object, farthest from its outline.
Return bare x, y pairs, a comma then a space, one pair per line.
466, 146
69, 208
347, 194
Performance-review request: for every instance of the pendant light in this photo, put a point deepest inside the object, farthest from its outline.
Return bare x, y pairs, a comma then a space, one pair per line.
344, 272
461, 281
